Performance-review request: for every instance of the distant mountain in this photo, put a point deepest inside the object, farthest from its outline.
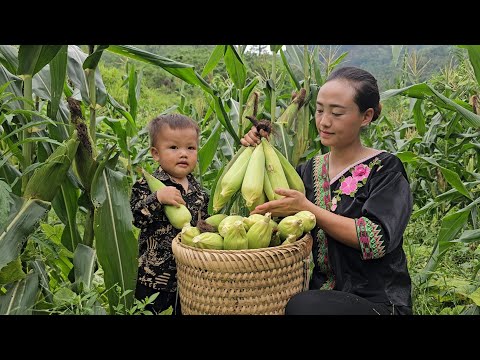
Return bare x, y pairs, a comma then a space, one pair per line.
375, 58
378, 59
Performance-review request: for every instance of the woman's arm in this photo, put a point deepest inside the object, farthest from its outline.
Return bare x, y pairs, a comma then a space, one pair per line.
341, 228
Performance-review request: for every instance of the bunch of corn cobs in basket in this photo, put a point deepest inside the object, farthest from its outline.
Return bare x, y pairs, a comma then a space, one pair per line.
236, 232
255, 172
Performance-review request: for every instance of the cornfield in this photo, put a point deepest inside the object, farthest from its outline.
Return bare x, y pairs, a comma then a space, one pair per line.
69, 152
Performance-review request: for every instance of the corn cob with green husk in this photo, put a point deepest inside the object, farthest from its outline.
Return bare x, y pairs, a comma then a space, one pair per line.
235, 236
308, 220
218, 201
290, 227
294, 180
208, 240
274, 169
251, 108
188, 233
301, 134
260, 234
267, 187
225, 223
215, 220
47, 178
276, 240
232, 181
178, 217
252, 184
261, 200
254, 218
290, 113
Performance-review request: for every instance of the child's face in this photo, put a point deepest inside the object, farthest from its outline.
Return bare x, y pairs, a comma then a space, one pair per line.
176, 151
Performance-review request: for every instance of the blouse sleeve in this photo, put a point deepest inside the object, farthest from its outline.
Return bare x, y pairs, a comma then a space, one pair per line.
385, 215
144, 205
204, 209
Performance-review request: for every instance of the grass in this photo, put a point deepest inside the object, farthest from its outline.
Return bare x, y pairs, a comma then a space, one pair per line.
451, 288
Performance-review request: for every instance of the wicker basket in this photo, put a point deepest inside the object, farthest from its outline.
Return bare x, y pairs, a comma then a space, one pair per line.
250, 282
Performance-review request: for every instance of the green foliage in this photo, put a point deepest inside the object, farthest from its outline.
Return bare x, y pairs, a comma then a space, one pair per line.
153, 100
440, 152
138, 307
453, 287
5, 201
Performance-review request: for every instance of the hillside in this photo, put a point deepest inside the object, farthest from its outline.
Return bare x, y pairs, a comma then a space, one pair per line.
374, 58
378, 59
162, 90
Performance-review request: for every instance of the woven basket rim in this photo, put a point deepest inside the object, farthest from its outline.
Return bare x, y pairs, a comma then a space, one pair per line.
242, 251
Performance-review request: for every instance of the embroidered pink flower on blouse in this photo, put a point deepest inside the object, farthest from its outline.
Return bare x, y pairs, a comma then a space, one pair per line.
360, 172
333, 207
348, 186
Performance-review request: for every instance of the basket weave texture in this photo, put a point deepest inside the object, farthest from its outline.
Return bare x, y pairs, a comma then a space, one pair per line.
248, 282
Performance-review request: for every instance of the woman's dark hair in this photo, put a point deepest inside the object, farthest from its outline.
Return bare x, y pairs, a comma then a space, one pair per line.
367, 94
173, 121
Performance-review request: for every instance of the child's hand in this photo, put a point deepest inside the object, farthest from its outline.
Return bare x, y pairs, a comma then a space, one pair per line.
170, 195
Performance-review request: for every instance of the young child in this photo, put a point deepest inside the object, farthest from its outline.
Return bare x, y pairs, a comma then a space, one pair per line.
174, 141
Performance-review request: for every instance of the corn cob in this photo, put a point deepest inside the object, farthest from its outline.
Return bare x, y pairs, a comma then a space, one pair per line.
215, 220
298, 100
294, 180
252, 184
309, 221
250, 109
261, 200
188, 233
253, 219
289, 115
301, 134
178, 217
267, 187
218, 201
290, 226
235, 237
225, 223
232, 181
260, 233
208, 240
274, 169
47, 178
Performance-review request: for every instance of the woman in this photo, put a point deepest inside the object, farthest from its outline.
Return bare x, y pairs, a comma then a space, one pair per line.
362, 202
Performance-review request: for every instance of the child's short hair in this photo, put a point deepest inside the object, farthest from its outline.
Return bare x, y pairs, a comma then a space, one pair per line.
174, 121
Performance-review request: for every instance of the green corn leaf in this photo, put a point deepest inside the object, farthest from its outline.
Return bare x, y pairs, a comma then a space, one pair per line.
115, 242
20, 296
